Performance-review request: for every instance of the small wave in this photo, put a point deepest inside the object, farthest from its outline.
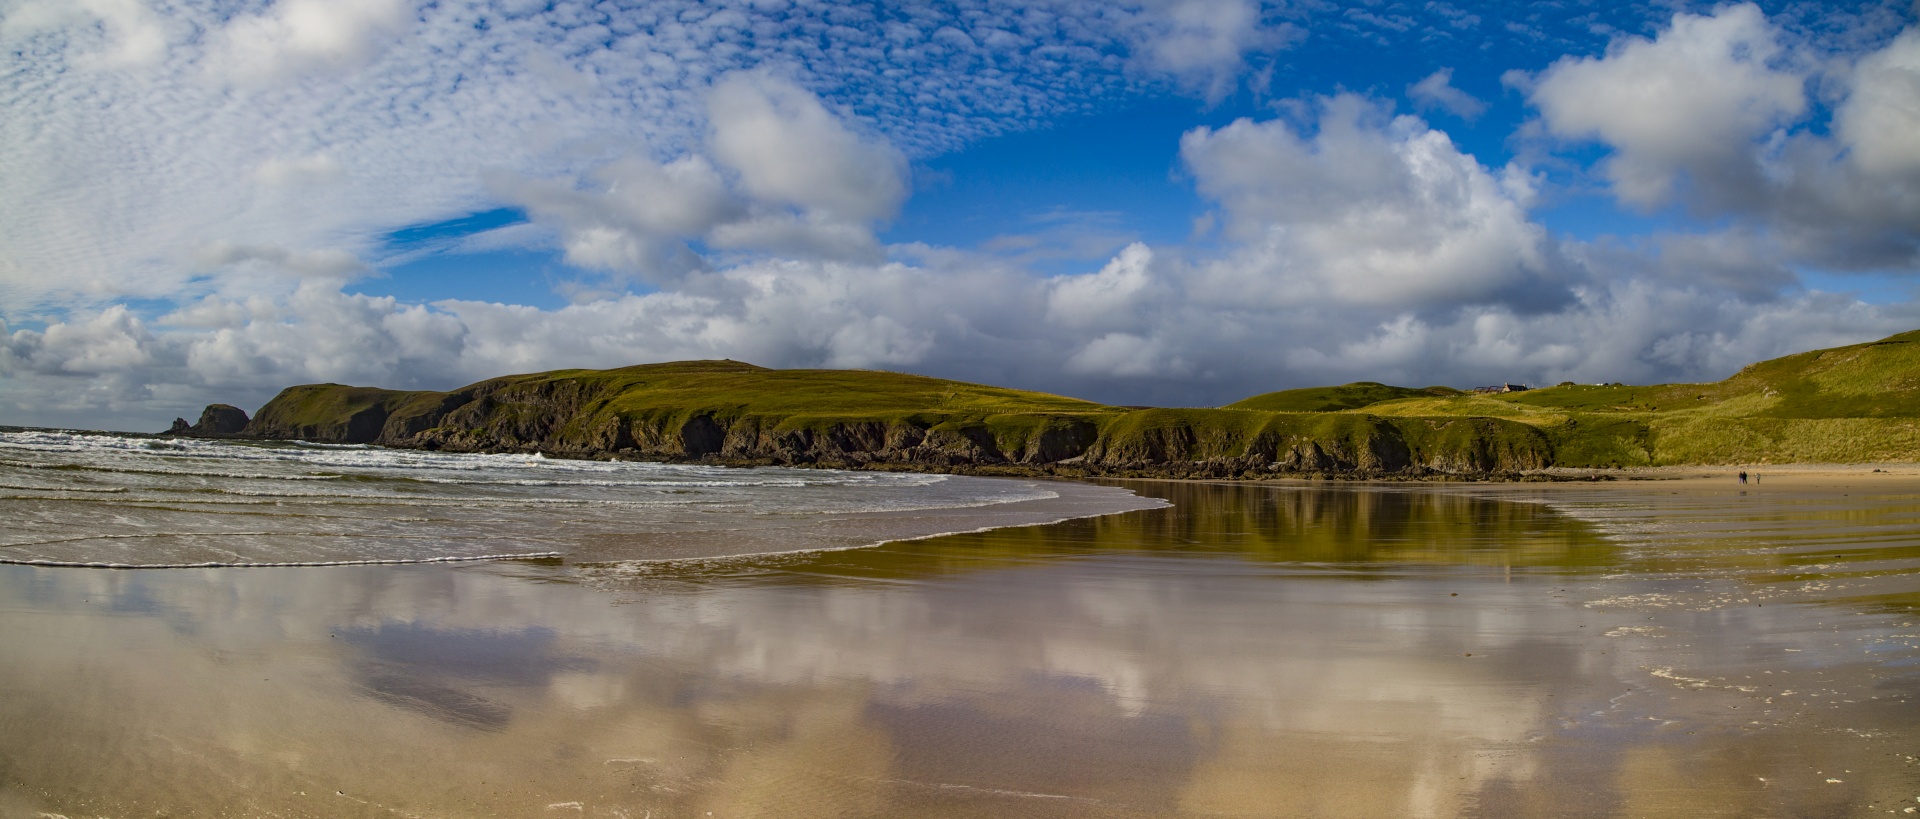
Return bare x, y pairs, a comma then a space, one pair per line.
980, 503
173, 456
76, 564
638, 484
174, 472
241, 498
100, 490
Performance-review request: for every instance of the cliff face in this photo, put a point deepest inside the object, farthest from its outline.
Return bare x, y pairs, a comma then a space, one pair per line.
644, 414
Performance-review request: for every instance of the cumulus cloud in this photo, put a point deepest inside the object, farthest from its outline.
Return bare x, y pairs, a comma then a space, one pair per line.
788, 149
1437, 91
1132, 331
1712, 113
1881, 116
629, 216
1113, 296
1688, 102
1368, 208
791, 178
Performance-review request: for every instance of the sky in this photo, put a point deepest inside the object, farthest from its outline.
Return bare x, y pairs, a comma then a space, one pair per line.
1156, 202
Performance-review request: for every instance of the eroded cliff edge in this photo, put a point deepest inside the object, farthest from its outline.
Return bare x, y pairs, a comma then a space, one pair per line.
1854, 404
735, 413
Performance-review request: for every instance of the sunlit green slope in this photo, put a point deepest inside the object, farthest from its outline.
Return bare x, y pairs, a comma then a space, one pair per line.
1857, 403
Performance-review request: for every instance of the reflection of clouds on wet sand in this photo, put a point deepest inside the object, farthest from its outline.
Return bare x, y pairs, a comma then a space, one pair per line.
1262, 678
1035, 685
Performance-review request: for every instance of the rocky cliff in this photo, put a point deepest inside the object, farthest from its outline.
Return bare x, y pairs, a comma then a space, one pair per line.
726, 412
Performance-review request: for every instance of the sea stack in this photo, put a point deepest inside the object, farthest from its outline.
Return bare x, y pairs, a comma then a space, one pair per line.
216, 421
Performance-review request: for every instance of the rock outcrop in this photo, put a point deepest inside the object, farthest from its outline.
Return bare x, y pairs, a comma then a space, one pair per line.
216, 421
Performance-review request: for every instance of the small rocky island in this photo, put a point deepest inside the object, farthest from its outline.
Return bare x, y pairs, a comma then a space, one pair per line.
1827, 405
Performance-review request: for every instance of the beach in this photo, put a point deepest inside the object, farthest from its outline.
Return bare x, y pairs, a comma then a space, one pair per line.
1681, 646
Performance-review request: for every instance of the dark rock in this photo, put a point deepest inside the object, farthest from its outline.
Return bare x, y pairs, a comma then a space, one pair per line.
701, 437
216, 421
221, 419
363, 427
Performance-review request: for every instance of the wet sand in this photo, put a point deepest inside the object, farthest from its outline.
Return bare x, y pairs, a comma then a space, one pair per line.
1626, 648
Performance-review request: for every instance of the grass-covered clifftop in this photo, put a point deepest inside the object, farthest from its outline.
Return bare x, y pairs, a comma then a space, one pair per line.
1848, 404
735, 412
1334, 399
1853, 404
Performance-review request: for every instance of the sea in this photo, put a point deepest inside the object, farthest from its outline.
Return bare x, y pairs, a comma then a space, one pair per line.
130, 501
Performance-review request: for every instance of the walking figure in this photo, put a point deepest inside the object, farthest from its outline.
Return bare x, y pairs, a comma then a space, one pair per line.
1743, 476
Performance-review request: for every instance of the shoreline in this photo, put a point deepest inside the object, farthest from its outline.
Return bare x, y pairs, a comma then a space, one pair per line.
1163, 471
1799, 473
128, 508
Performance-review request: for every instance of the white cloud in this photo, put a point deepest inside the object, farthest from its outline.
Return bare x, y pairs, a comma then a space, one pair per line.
1880, 120
1119, 355
112, 341
129, 33
306, 123
630, 216
789, 150
1204, 43
801, 184
293, 36
1689, 102
1437, 91
1109, 297
329, 263
1711, 113
1134, 331
300, 173
1368, 209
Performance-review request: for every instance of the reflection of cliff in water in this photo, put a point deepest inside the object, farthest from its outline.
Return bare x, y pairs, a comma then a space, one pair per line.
1350, 530
1363, 525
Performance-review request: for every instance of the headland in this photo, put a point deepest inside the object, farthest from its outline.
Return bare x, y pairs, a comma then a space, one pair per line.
1845, 405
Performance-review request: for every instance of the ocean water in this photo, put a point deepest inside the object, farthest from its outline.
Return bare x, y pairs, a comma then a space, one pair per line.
95, 499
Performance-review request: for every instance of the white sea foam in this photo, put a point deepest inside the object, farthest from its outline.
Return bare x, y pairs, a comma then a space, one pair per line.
95, 499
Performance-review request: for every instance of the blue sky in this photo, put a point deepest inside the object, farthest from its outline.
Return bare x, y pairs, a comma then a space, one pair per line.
1176, 202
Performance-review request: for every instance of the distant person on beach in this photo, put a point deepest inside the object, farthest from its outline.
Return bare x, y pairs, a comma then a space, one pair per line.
1743, 476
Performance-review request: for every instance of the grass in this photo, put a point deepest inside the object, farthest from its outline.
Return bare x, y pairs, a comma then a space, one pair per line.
1858, 403
1853, 404
1357, 395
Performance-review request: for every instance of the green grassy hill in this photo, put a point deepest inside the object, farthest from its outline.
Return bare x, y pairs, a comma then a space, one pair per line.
1334, 399
1853, 404
1849, 404
679, 409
